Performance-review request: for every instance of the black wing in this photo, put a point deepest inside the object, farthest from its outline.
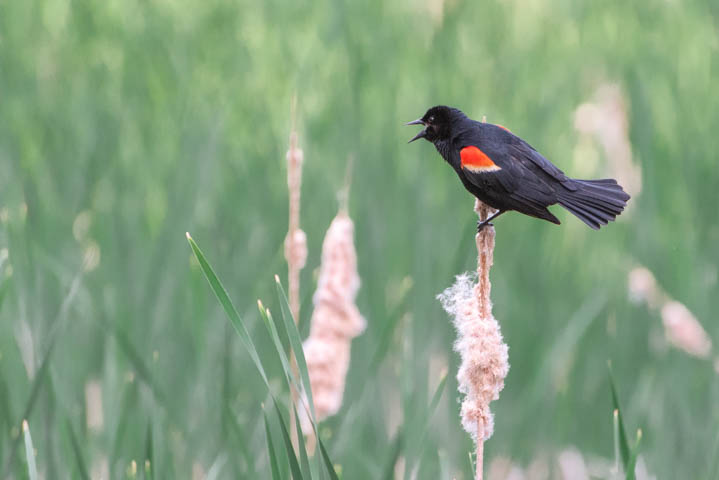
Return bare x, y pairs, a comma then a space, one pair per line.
503, 146
524, 152
525, 180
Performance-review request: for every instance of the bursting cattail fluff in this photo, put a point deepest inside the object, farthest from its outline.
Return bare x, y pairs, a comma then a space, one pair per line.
484, 356
335, 320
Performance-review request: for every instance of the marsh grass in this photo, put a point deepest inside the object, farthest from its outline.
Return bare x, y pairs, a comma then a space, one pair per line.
302, 469
625, 454
142, 120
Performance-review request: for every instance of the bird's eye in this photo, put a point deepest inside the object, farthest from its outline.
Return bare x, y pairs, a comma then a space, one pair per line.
430, 119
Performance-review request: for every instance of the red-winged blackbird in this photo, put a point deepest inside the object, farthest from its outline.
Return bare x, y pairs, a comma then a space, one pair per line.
506, 173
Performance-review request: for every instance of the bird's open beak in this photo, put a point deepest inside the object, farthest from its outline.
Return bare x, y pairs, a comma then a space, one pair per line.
420, 134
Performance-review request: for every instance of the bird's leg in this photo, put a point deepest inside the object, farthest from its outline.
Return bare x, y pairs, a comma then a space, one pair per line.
484, 223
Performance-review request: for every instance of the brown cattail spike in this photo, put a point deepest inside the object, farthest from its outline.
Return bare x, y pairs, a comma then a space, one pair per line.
296, 240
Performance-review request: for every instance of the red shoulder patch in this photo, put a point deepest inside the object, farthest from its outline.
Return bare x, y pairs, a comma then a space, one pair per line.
475, 160
505, 128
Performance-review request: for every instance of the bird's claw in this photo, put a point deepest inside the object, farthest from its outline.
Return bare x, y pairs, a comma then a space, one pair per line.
482, 224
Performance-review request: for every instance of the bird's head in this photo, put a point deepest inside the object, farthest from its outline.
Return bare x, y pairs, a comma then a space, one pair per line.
438, 122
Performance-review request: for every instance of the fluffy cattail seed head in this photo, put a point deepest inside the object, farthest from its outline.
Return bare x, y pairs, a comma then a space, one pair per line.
484, 355
335, 320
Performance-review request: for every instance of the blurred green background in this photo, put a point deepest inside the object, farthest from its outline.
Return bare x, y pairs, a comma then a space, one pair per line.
125, 123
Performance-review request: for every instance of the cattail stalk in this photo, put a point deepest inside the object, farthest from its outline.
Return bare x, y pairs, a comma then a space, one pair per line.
295, 243
484, 358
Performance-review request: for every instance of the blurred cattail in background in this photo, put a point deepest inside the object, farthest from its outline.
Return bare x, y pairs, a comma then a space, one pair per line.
484, 358
335, 320
503, 468
605, 120
684, 331
93, 406
566, 463
643, 288
296, 240
681, 328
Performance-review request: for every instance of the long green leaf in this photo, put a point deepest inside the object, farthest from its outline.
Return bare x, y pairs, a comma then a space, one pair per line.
294, 465
148, 469
291, 380
437, 394
149, 452
293, 335
236, 429
268, 320
229, 307
296, 343
615, 438
304, 461
79, 459
395, 451
633, 457
3, 291
623, 443
271, 449
433, 405
425, 422
37, 383
326, 458
712, 471
29, 452
6, 415
126, 410
139, 365
42, 374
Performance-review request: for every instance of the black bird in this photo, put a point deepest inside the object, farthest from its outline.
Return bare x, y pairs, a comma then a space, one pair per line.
506, 173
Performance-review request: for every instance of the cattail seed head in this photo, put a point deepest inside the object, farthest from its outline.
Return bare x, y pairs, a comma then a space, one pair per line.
335, 320
484, 355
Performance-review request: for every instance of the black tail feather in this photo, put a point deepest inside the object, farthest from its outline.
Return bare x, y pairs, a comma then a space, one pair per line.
595, 202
